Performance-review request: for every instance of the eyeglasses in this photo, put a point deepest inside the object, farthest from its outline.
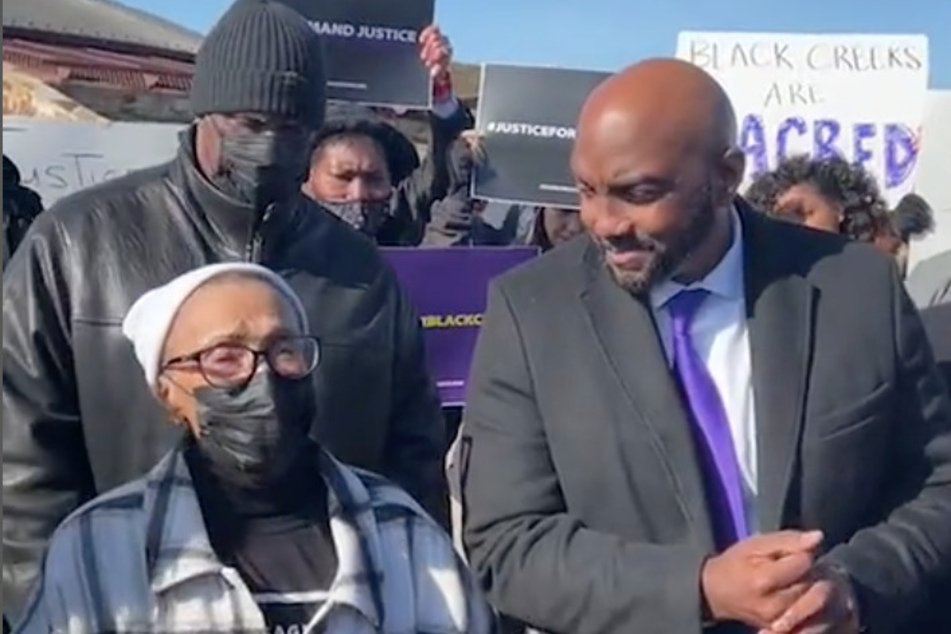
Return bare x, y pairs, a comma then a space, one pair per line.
230, 365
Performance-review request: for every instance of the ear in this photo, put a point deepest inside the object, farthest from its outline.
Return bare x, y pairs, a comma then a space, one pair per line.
208, 145
163, 392
732, 169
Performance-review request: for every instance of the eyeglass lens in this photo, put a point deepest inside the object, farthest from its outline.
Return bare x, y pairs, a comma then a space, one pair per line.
230, 364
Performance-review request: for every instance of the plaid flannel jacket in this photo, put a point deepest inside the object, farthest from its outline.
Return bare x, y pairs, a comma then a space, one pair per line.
138, 560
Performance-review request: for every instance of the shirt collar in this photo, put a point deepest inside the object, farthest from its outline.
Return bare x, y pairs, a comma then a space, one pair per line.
178, 550
725, 280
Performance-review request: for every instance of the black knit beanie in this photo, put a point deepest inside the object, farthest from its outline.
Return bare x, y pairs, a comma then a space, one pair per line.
262, 57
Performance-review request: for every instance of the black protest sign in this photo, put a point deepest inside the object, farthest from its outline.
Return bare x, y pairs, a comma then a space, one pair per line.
526, 118
371, 49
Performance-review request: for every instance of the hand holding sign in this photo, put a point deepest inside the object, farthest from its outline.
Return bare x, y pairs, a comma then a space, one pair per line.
435, 52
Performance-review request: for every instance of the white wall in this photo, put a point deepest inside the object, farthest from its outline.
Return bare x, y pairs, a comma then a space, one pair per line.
57, 158
934, 173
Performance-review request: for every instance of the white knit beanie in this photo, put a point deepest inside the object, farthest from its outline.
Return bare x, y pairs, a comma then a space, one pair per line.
147, 323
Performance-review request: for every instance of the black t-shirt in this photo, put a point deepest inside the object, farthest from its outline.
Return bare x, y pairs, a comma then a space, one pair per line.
277, 539
289, 565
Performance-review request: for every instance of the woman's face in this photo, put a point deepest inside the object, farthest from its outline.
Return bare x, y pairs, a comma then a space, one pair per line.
349, 169
804, 204
243, 311
561, 225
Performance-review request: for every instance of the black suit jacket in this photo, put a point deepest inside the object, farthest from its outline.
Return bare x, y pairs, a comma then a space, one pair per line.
937, 321
583, 500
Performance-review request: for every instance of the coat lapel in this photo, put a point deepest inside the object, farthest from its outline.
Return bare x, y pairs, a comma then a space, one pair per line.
625, 329
779, 306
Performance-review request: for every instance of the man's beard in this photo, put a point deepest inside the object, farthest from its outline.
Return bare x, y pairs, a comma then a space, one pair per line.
664, 257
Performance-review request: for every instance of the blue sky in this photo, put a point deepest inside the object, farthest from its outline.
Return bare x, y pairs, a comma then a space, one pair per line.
609, 34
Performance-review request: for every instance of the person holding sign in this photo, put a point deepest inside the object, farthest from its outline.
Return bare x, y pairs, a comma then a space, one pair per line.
368, 173
77, 417
700, 418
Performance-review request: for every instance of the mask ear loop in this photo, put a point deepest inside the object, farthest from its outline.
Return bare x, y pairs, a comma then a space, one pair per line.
178, 420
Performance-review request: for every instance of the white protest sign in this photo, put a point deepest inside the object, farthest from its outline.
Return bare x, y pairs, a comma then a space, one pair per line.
861, 97
933, 181
57, 158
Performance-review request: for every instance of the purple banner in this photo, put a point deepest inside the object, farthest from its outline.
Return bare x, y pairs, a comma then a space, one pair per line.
448, 287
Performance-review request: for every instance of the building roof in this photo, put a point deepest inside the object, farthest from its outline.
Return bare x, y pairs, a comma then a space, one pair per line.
104, 20
57, 64
107, 44
27, 96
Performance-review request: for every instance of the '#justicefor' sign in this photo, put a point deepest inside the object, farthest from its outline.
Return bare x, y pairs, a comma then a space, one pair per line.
526, 119
860, 97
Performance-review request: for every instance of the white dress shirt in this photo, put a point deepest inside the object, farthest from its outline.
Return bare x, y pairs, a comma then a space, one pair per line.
721, 337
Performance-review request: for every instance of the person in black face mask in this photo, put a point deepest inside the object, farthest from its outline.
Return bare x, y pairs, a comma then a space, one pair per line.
248, 524
225, 349
368, 173
232, 193
261, 159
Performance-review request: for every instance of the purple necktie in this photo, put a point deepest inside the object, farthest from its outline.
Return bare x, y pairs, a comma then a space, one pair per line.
724, 484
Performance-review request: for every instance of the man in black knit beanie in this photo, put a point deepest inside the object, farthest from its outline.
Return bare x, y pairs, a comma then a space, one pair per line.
78, 419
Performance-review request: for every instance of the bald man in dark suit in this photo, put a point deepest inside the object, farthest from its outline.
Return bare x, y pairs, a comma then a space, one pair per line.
697, 418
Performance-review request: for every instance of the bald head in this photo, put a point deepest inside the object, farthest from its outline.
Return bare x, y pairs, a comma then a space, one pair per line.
657, 167
668, 100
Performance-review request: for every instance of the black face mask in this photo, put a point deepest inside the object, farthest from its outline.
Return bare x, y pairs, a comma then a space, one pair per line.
254, 436
366, 216
260, 168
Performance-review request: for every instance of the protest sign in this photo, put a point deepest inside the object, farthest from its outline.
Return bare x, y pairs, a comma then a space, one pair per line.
56, 158
933, 179
371, 49
861, 97
526, 118
448, 288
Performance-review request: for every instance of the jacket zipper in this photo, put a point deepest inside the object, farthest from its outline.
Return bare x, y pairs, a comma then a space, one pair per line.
255, 247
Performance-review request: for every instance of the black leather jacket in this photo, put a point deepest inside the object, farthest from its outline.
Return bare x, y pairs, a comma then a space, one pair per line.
78, 418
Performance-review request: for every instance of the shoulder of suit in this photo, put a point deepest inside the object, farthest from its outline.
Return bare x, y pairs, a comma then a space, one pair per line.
819, 256
561, 269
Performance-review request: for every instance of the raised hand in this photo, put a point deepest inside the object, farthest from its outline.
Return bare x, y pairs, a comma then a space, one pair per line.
435, 51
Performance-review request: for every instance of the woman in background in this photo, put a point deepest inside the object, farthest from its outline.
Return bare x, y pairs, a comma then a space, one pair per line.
555, 226
828, 194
